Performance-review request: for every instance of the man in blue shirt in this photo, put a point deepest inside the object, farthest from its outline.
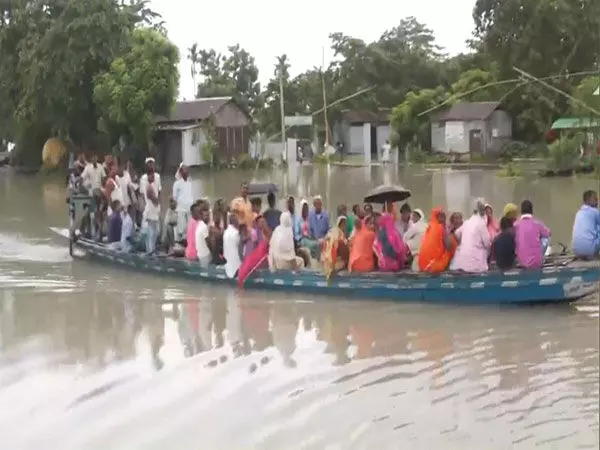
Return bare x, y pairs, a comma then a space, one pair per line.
586, 228
318, 220
318, 227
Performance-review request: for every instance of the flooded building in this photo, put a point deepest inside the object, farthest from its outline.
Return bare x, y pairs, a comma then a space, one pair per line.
181, 136
477, 128
363, 132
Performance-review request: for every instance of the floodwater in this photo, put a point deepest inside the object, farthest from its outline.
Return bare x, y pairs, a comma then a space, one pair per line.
95, 358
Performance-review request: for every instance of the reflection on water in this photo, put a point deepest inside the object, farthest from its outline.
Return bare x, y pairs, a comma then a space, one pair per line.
92, 357
286, 373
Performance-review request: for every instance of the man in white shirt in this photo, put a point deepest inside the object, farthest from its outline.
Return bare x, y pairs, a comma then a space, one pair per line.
385, 151
92, 175
126, 183
231, 247
151, 212
150, 169
182, 193
202, 234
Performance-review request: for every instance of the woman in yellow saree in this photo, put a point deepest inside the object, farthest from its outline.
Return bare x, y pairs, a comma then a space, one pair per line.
334, 254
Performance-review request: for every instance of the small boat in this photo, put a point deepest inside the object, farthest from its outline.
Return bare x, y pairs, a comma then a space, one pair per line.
562, 282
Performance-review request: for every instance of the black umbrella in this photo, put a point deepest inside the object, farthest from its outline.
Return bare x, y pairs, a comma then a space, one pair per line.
262, 188
387, 193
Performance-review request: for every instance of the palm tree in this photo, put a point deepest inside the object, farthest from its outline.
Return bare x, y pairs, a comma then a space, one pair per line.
193, 56
282, 66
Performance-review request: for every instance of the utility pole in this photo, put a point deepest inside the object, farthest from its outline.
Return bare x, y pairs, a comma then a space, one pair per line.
324, 99
282, 111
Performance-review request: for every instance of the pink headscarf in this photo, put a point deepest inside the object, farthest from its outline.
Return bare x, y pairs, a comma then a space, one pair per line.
492, 225
389, 241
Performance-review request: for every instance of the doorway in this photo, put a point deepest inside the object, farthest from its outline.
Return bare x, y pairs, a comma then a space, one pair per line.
475, 142
374, 149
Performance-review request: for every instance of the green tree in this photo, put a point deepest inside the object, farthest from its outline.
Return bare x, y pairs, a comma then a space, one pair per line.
139, 85
476, 85
408, 125
587, 92
542, 37
53, 51
234, 74
193, 56
402, 59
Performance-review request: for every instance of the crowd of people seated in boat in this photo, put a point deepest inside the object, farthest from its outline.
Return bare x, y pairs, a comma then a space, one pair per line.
243, 237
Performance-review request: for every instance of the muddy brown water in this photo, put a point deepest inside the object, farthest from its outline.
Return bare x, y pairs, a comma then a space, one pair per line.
97, 358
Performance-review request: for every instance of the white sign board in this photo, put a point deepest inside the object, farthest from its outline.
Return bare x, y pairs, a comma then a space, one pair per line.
297, 121
597, 91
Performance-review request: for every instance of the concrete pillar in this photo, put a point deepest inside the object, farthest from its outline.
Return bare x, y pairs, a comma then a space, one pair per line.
292, 160
367, 143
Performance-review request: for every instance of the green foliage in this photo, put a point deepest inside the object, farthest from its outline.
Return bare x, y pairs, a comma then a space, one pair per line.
415, 154
522, 150
93, 72
408, 126
283, 164
51, 53
542, 37
322, 158
139, 85
245, 161
539, 36
564, 153
210, 146
585, 93
234, 74
510, 171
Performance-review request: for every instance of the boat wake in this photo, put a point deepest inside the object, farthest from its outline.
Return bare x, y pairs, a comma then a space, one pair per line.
15, 248
396, 384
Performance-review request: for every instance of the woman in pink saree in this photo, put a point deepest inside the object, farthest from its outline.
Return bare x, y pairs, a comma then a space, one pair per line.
490, 220
389, 247
258, 257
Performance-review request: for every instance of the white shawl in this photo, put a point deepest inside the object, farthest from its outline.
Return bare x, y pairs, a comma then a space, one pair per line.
281, 246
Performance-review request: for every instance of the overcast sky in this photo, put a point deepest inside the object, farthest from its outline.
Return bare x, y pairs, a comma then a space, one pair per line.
254, 25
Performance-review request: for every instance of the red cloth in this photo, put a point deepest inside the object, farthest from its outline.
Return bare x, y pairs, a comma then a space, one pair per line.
253, 261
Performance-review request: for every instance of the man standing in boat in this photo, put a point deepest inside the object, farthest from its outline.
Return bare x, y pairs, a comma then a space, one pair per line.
150, 188
182, 194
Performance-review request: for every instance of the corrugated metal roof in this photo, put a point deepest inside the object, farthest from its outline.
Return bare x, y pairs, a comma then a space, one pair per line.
194, 110
174, 126
573, 123
467, 111
381, 116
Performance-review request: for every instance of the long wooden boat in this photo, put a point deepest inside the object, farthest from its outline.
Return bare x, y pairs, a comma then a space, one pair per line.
561, 283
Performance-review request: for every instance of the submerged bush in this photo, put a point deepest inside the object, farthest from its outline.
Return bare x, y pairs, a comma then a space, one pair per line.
565, 152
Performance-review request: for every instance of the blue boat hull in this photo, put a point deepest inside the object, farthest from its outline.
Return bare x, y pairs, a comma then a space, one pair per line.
549, 285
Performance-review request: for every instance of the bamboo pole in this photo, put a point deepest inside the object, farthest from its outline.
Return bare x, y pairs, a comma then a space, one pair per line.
555, 89
335, 102
282, 112
500, 83
324, 99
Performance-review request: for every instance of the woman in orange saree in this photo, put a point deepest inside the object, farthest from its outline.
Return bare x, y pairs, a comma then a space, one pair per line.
438, 246
362, 258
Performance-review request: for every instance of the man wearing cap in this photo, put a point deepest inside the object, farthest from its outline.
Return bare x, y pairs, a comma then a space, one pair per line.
473, 251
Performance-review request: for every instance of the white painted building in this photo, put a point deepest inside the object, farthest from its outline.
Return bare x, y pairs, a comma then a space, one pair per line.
363, 133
